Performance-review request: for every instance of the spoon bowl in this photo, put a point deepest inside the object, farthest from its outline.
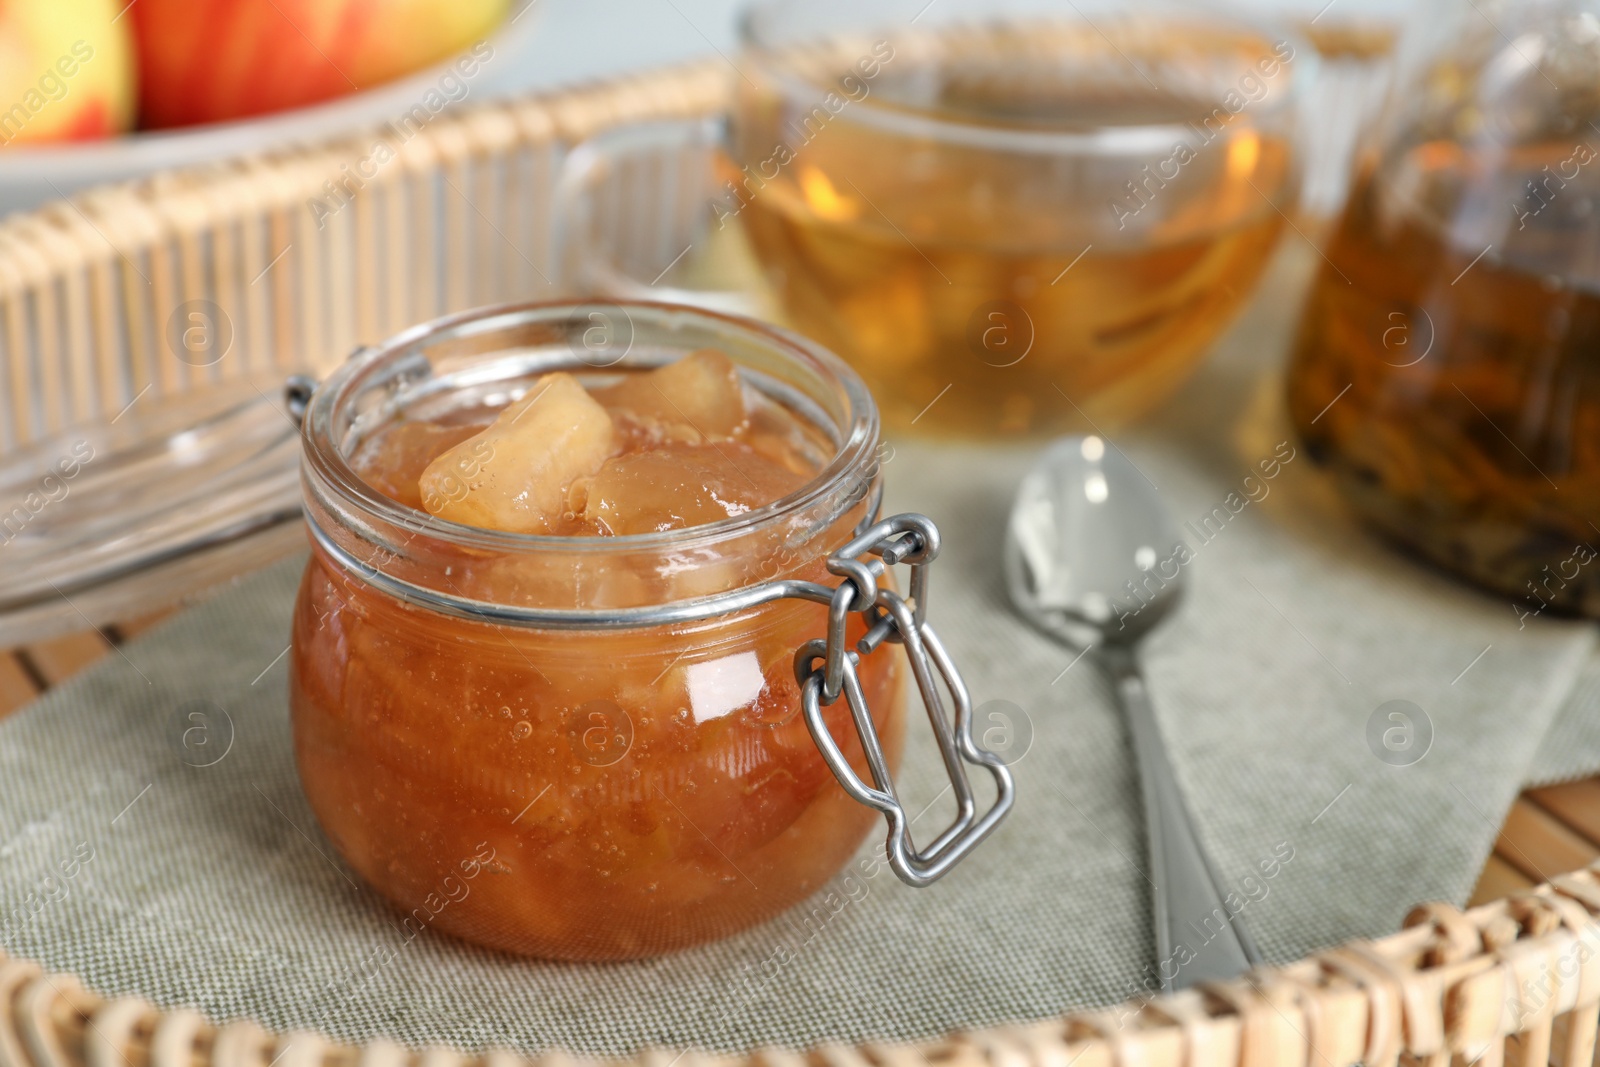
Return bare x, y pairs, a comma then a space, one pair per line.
1092, 555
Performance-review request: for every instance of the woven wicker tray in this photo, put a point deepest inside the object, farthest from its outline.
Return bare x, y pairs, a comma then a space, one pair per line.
461, 217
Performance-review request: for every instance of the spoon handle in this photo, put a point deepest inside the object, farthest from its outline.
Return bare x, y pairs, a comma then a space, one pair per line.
1198, 939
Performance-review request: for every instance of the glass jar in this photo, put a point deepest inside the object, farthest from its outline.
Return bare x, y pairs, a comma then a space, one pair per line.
1447, 370
606, 747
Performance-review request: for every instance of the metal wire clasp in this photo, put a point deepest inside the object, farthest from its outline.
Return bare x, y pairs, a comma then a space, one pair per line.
826, 669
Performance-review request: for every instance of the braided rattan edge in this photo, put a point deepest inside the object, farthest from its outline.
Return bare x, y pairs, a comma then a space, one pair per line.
1516, 981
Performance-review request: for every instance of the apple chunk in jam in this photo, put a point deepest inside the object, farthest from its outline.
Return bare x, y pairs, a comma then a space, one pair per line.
665, 450
613, 793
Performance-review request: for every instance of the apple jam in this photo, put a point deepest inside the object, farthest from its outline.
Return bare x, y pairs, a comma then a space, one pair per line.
580, 792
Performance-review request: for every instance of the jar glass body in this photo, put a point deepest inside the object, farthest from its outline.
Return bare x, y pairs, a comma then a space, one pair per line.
1448, 366
577, 792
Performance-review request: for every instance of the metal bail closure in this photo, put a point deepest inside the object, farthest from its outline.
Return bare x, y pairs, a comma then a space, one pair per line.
914, 540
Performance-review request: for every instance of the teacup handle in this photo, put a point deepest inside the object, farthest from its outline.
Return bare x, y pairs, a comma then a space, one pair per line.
631, 202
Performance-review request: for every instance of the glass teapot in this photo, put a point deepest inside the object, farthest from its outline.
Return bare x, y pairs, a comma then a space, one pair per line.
1447, 370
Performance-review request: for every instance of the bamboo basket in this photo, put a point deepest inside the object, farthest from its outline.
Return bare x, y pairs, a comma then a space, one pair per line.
461, 216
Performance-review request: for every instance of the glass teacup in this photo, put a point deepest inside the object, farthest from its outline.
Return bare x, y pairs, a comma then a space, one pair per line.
1010, 217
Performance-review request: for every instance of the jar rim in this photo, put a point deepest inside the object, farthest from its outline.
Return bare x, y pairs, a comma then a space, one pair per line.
322, 455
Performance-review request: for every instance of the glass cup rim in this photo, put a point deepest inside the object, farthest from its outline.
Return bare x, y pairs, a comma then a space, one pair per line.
325, 462
755, 36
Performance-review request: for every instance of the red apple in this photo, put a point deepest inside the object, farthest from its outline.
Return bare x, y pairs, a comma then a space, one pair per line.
65, 70
214, 60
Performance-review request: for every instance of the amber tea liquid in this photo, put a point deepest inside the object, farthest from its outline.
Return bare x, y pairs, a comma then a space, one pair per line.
1448, 368
983, 292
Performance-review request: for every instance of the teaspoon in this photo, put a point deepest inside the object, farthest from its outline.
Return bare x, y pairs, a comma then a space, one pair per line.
1093, 559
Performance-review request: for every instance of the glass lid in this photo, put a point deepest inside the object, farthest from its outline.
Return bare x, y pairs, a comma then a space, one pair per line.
115, 518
